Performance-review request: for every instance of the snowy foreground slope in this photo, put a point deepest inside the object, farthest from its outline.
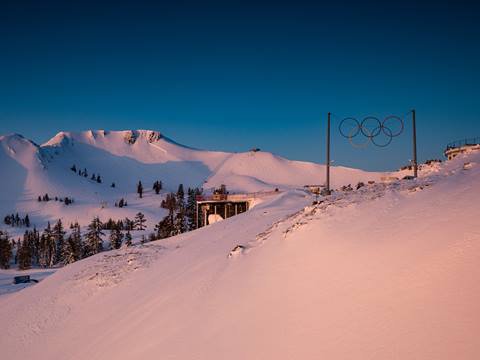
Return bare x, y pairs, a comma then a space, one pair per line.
126, 157
385, 272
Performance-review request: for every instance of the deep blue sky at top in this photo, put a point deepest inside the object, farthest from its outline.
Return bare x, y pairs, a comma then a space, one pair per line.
231, 75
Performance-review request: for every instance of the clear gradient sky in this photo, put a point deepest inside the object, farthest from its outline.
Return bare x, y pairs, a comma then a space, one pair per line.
231, 75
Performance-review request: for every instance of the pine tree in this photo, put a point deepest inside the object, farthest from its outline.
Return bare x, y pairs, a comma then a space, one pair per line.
157, 186
170, 202
5, 250
59, 237
180, 196
191, 208
72, 248
93, 239
140, 189
128, 239
24, 256
180, 223
129, 224
28, 241
99, 179
47, 247
17, 250
165, 228
35, 238
74, 168
27, 221
116, 238
140, 221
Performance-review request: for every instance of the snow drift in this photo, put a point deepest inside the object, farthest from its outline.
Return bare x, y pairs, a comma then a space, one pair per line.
389, 271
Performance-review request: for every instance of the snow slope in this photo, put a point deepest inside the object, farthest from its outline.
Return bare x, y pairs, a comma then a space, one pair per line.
385, 272
126, 157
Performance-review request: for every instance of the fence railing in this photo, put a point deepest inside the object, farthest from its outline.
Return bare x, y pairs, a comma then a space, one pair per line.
235, 197
464, 142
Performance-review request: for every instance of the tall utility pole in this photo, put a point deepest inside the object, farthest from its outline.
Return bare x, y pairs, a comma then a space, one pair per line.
415, 163
327, 182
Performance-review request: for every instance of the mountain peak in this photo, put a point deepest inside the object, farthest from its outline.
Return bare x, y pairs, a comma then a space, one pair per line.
129, 136
16, 138
151, 136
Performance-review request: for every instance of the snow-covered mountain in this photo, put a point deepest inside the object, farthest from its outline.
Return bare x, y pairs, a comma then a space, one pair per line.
126, 157
388, 271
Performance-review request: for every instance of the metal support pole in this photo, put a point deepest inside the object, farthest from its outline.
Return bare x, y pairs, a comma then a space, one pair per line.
327, 182
415, 163
196, 214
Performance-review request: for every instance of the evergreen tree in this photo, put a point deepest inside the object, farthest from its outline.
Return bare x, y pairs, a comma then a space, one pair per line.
35, 239
170, 203
191, 208
140, 221
93, 239
24, 256
129, 224
116, 238
140, 189
72, 248
113, 185
180, 193
17, 250
58, 234
165, 228
128, 238
5, 250
28, 241
99, 179
74, 168
27, 221
47, 247
157, 186
180, 223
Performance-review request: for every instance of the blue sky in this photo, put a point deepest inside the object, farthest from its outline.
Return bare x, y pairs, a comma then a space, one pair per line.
236, 75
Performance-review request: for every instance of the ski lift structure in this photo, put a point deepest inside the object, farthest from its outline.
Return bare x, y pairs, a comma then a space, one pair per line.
217, 207
221, 205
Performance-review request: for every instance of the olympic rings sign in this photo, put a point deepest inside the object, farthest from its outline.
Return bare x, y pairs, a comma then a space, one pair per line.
371, 129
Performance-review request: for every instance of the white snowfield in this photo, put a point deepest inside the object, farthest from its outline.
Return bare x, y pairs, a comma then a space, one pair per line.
389, 271
126, 157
